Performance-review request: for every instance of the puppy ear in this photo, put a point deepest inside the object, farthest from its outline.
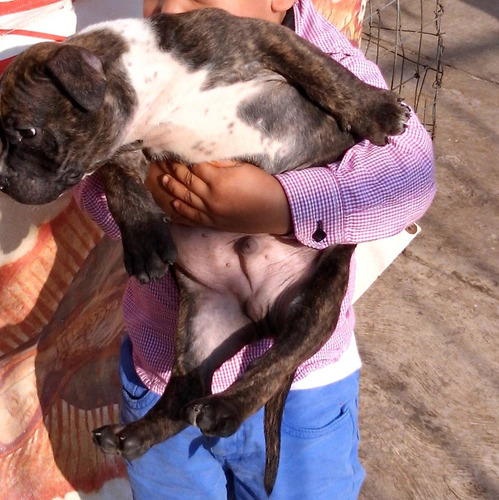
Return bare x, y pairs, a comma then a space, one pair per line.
79, 74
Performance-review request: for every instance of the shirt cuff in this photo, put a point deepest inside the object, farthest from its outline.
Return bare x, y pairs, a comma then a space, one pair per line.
315, 205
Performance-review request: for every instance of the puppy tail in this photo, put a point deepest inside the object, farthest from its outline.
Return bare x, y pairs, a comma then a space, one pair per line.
272, 430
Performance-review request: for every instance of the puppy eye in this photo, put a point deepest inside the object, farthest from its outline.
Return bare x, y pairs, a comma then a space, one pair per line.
27, 133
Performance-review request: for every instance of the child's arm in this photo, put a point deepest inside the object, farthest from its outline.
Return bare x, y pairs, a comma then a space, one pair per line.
373, 192
231, 196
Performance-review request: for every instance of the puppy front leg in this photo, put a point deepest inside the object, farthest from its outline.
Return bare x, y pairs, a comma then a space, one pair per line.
147, 244
367, 112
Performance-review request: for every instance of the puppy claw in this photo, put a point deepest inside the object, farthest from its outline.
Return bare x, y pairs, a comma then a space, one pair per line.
105, 438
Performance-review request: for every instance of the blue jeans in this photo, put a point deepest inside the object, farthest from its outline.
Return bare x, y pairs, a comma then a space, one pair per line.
319, 449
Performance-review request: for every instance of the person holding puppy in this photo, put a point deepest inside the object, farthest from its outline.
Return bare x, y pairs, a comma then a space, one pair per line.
373, 192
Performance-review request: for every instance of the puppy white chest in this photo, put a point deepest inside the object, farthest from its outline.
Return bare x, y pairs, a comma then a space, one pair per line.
178, 114
200, 125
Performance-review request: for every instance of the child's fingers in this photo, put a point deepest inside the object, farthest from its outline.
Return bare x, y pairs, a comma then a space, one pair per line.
179, 191
188, 177
189, 216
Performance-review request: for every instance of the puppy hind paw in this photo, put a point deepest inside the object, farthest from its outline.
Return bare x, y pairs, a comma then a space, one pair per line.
214, 417
106, 438
115, 439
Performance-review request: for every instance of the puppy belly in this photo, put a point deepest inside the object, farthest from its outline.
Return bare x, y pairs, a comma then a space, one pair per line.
254, 268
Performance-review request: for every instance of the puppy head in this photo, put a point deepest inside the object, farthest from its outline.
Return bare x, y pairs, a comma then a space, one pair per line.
55, 122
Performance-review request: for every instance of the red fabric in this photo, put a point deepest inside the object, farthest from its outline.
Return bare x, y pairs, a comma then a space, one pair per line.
22, 5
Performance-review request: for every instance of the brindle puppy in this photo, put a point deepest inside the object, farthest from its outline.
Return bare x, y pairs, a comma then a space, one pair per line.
195, 87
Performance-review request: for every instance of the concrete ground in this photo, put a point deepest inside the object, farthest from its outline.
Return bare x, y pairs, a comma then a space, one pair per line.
428, 328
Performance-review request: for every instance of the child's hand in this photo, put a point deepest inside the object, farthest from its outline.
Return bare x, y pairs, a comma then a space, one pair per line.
230, 196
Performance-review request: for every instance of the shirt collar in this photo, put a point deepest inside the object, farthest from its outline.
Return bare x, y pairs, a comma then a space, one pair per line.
315, 28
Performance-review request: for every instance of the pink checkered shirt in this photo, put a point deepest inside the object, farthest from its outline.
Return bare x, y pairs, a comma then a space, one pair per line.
372, 193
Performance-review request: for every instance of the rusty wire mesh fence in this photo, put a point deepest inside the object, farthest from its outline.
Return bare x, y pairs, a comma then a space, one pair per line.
405, 39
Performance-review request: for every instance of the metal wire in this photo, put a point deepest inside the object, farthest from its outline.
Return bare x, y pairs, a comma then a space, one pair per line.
408, 46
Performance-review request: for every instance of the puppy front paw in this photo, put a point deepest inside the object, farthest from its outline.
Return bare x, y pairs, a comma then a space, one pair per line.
389, 118
381, 114
148, 248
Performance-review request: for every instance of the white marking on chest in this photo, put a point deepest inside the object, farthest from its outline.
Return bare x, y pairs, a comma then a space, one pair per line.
176, 115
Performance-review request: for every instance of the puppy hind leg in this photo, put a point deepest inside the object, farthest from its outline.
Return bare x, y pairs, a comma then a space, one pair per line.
218, 330
136, 438
202, 343
164, 419
302, 322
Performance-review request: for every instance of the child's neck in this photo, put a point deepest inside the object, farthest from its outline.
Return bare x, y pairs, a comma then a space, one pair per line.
289, 19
